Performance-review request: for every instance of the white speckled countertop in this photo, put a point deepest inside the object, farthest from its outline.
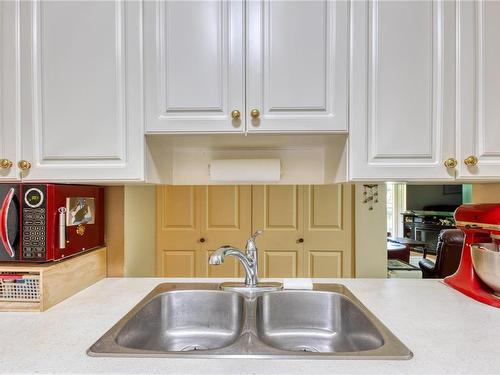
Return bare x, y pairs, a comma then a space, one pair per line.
447, 332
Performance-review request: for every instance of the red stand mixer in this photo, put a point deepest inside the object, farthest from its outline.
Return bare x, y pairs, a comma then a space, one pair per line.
478, 275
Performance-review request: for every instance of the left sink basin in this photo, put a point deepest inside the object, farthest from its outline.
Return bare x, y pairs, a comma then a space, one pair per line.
178, 321
185, 320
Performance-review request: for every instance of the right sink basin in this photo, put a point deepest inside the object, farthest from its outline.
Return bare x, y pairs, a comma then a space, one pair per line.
315, 321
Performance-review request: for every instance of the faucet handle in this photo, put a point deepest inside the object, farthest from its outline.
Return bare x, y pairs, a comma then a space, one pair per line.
257, 232
251, 241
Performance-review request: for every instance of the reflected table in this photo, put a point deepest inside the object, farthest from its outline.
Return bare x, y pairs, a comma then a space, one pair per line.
410, 242
398, 269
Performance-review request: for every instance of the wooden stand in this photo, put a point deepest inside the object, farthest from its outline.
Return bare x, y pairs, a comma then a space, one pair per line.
56, 280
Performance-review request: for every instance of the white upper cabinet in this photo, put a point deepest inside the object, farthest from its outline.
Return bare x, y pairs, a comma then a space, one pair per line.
286, 71
297, 66
478, 73
402, 90
194, 66
81, 90
9, 110
81, 82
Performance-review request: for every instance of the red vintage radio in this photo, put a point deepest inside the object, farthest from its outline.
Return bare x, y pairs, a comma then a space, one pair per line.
45, 222
478, 275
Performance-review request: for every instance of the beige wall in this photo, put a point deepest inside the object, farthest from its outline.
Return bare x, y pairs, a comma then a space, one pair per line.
371, 235
114, 218
486, 193
140, 231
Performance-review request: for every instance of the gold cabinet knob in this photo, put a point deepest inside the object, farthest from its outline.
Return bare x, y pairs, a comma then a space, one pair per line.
235, 115
255, 113
5, 164
450, 163
24, 165
471, 161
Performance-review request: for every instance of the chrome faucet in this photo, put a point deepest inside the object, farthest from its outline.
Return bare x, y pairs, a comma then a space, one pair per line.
249, 261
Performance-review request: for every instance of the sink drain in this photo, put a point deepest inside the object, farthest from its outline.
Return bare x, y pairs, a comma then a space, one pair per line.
310, 349
190, 348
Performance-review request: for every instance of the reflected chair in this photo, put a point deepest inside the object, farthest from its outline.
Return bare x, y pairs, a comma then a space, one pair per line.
448, 254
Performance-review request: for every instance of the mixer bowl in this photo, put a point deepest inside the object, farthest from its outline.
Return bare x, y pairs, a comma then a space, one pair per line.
486, 261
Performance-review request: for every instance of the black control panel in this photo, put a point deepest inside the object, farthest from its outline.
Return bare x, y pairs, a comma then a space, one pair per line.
34, 222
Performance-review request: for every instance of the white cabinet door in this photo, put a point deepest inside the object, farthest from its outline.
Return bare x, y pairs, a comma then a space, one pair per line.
81, 90
402, 90
194, 67
297, 65
478, 115
9, 114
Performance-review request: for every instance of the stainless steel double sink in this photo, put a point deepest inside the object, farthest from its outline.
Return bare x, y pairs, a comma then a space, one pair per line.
200, 320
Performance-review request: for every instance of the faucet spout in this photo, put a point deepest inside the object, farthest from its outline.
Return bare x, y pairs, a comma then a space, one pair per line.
248, 263
218, 255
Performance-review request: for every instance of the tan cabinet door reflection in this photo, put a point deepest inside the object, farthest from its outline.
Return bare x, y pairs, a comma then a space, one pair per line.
226, 215
179, 263
308, 230
193, 221
328, 231
277, 209
178, 231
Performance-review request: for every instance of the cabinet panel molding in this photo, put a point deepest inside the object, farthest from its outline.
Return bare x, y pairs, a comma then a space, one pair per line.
280, 204
202, 54
297, 65
61, 87
402, 90
324, 263
400, 95
488, 79
194, 69
178, 210
297, 56
10, 116
222, 207
81, 90
179, 263
478, 112
325, 207
280, 263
